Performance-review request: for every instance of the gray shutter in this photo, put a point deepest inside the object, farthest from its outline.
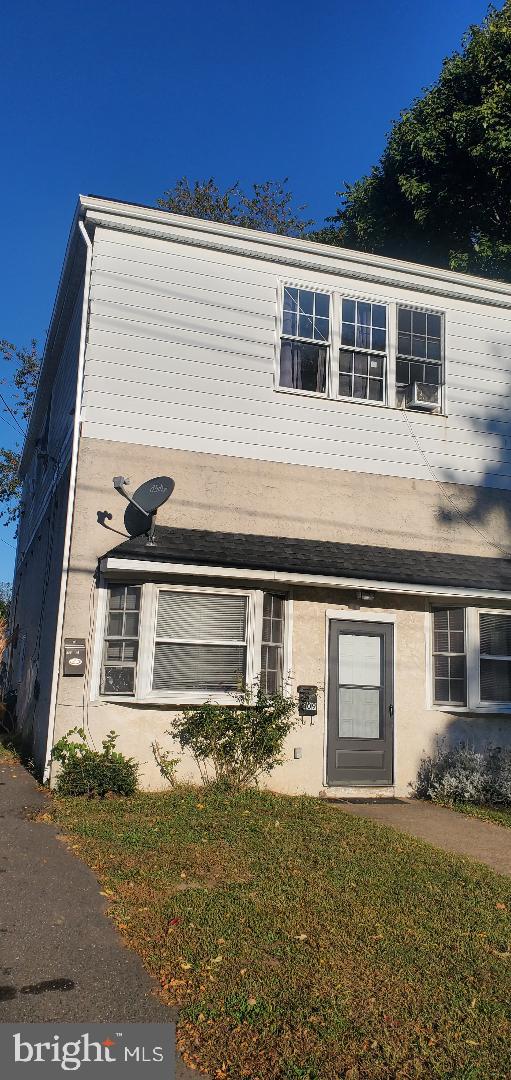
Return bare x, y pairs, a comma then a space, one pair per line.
204, 647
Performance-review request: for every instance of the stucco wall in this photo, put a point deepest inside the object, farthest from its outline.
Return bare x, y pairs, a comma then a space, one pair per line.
227, 494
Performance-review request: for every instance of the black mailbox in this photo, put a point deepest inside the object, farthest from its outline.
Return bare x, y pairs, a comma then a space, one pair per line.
307, 700
74, 656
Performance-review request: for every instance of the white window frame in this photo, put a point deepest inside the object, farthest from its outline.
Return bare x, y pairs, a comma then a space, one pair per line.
472, 654
288, 284
144, 694
357, 296
337, 295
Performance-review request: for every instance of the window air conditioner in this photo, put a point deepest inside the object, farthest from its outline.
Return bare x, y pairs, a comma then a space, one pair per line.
420, 395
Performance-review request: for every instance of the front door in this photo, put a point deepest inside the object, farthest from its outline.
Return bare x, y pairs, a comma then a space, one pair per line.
360, 704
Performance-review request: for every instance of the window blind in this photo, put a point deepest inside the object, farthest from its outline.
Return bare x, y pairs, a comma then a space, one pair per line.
200, 642
495, 659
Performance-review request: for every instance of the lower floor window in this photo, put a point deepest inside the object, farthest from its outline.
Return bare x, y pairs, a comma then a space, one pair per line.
471, 652
182, 643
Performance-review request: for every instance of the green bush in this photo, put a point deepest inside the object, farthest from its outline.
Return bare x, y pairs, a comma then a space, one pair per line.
93, 772
236, 744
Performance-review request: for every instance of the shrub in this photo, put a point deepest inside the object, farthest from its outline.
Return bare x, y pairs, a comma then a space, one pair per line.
236, 744
461, 774
93, 772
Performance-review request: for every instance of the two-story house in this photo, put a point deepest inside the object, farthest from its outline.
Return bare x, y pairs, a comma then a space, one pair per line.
338, 430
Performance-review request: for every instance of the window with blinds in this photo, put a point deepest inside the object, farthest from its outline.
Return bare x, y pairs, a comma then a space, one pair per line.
495, 657
200, 642
449, 661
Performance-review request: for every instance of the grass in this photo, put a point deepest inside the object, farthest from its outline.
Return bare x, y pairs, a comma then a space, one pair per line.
302, 943
500, 815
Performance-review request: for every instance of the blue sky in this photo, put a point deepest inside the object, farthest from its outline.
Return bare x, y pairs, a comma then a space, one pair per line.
120, 98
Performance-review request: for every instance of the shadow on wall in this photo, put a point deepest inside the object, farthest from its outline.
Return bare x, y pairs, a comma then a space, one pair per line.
480, 505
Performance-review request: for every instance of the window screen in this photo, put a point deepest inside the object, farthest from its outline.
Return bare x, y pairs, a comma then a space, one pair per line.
201, 642
495, 657
449, 662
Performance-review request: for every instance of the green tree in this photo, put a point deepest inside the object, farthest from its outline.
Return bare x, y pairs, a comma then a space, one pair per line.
21, 367
268, 206
441, 192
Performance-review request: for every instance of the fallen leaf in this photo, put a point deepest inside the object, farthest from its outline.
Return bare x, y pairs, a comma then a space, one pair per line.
185, 965
501, 907
301, 937
252, 1001
217, 960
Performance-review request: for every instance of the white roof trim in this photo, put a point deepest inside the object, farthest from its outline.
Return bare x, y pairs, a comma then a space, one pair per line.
112, 567
263, 245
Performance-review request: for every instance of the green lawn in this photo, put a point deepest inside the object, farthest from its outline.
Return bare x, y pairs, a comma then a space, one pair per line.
302, 943
502, 815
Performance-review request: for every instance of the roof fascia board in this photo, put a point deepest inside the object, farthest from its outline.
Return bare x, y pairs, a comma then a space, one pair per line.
161, 224
112, 566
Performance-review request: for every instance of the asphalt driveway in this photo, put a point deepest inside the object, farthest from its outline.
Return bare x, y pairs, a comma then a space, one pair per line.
61, 956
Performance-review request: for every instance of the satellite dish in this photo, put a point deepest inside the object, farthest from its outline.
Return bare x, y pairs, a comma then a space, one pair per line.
153, 494
140, 513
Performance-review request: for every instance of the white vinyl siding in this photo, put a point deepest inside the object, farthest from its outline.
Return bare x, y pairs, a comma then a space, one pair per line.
183, 350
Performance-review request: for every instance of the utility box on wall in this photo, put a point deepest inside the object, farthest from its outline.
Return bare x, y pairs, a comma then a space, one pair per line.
74, 656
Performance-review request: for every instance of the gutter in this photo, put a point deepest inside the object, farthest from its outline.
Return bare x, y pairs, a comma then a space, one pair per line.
70, 503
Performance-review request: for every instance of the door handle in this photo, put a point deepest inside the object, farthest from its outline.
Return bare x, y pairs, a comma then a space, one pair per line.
391, 710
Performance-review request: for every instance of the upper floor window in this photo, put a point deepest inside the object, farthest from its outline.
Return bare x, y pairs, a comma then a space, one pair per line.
304, 345
362, 356
419, 357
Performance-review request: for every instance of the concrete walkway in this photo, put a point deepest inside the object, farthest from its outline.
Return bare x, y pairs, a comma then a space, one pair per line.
447, 829
61, 956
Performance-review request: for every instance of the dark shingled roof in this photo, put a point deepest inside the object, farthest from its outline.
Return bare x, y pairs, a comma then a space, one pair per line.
325, 558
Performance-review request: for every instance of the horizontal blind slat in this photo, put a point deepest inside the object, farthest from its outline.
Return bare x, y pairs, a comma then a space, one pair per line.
206, 617
209, 668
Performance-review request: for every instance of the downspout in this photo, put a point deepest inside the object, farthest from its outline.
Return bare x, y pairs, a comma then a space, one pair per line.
70, 503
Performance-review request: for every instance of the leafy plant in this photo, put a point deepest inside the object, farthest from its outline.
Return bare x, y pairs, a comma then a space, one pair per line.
461, 774
166, 764
269, 205
93, 772
236, 744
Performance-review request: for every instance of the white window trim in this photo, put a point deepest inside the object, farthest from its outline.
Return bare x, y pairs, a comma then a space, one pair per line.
472, 653
288, 284
427, 311
144, 695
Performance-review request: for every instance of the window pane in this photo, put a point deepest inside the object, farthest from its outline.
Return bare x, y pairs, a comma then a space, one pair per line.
359, 387
363, 337
379, 339
495, 634
130, 650
360, 659
416, 372
404, 320
359, 713
321, 329
345, 389
345, 361
115, 624
131, 624
361, 361
419, 322
379, 315
363, 313
376, 366
132, 598
449, 663
432, 374
305, 302
303, 367
289, 323
456, 619
201, 616
305, 326
348, 311
322, 305
433, 349
375, 390
348, 334
210, 668
114, 650
418, 345
442, 691
116, 598
404, 344
434, 326
291, 299
402, 372
496, 680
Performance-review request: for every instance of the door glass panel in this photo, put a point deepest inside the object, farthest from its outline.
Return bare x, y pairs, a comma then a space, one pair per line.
359, 712
359, 660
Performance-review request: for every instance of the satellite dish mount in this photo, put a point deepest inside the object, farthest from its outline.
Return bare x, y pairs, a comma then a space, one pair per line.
146, 500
